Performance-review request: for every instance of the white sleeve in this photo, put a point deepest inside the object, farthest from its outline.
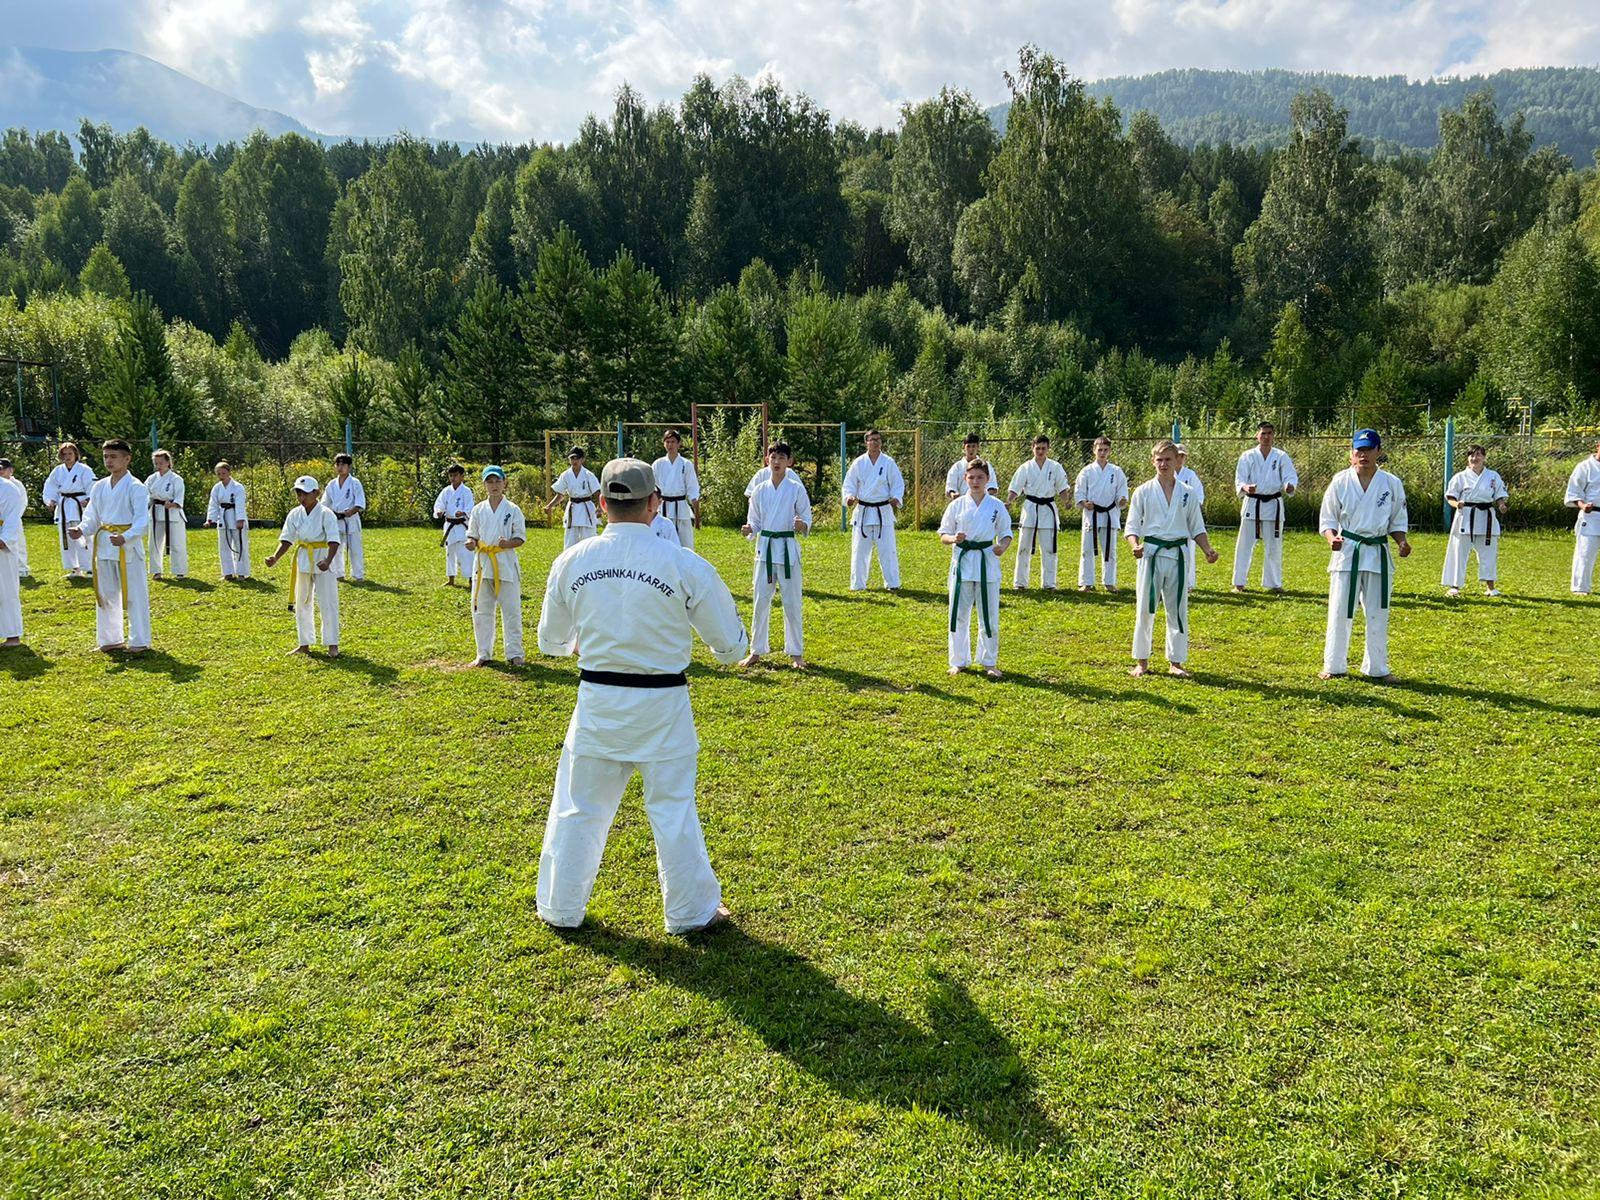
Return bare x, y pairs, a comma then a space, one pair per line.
438, 503
1240, 481
851, 488
947, 523
52, 489
1574, 486
802, 510
519, 524
562, 486
952, 478
1016, 480
897, 483
1399, 518
711, 610
1002, 525
1079, 490
691, 481
1329, 517
359, 496
1197, 517
1134, 525
557, 637
213, 506
1290, 475
141, 512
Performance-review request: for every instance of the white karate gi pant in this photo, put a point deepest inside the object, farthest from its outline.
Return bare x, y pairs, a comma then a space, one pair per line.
1458, 549
1336, 649
108, 610
575, 534
75, 554
233, 564
323, 587
1048, 542
10, 595
878, 538
21, 549
1583, 558
1189, 561
1174, 600
457, 559
1087, 557
794, 639
351, 561
582, 808
1271, 554
685, 527
160, 550
960, 642
484, 606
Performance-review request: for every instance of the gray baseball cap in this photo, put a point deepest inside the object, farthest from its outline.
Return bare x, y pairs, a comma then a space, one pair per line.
627, 479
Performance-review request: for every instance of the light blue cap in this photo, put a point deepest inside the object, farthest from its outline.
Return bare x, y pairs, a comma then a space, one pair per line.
491, 471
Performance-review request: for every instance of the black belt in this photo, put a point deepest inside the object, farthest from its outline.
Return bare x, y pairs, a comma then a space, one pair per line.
1055, 519
666, 500
589, 500
230, 531
78, 499
1094, 520
449, 524
628, 679
1472, 522
166, 532
1277, 524
873, 504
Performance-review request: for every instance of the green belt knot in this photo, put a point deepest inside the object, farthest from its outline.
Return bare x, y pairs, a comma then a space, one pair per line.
772, 567
963, 548
1154, 592
1360, 540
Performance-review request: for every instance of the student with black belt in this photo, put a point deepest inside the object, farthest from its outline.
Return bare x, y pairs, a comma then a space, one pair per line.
581, 519
453, 506
1101, 492
873, 490
1479, 497
169, 534
1264, 476
226, 510
680, 488
1040, 482
66, 495
633, 602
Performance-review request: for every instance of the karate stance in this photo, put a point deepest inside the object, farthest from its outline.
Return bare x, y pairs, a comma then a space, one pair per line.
1263, 478
12, 539
1479, 497
1164, 522
1362, 508
8, 475
779, 510
955, 479
1039, 483
312, 530
453, 505
680, 488
1583, 494
580, 487
977, 528
169, 536
66, 492
347, 498
1101, 492
225, 508
633, 603
114, 527
873, 490
495, 532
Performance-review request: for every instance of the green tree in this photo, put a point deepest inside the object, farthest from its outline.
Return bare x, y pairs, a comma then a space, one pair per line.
103, 273
486, 368
832, 374
635, 343
1065, 401
728, 359
705, 248
1541, 334
351, 393
70, 229
206, 267
408, 409
139, 385
493, 254
556, 316
1296, 369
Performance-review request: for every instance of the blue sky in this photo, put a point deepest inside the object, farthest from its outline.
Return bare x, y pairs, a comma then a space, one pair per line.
520, 69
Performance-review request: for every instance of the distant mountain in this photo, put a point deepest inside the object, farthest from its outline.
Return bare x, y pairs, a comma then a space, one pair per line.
1561, 105
56, 89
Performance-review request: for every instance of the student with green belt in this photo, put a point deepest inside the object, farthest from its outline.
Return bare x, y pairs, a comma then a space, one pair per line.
1362, 509
1163, 518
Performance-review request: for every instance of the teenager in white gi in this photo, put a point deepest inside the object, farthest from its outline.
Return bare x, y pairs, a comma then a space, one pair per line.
453, 505
633, 603
1190, 480
169, 538
1479, 497
680, 488
955, 479
664, 529
1263, 478
1362, 508
874, 491
66, 493
1165, 524
225, 509
8, 475
762, 474
347, 499
496, 530
1038, 483
312, 531
779, 511
581, 490
1583, 494
1101, 492
11, 541
977, 528
114, 526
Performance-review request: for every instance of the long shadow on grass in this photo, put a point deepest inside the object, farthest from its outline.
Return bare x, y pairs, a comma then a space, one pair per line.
1078, 690
23, 662
189, 584
1493, 699
858, 681
372, 585
251, 585
157, 662
965, 1068
1347, 693
378, 674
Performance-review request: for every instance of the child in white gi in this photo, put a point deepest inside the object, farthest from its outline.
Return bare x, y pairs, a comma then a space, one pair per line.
977, 528
312, 530
169, 538
873, 490
955, 479
453, 506
1101, 492
1263, 478
1164, 522
581, 489
8, 475
225, 509
496, 530
1362, 508
114, 527
1479, 497
779, 510
680, 488
348, 499
1039, 483
1583, 494
11, 540
66, 493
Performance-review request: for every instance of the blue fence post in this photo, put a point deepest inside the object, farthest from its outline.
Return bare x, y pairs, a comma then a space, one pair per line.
155, 436
844, 465
1449, 464
621, 449
1177, 432
349, 440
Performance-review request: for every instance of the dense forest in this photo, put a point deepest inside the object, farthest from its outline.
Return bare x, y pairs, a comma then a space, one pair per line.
1075, 272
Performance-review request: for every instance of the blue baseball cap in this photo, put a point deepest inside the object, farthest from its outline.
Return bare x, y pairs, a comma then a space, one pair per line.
491, 471
1365, 439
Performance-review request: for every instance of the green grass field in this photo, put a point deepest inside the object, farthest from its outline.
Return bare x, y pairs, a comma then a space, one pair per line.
267, 924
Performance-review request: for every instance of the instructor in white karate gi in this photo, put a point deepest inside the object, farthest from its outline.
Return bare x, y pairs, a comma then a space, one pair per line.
633, 602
